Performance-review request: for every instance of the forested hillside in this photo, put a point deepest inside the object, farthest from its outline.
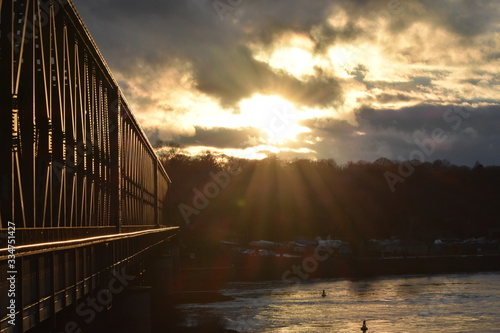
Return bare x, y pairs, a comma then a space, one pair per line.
215, 198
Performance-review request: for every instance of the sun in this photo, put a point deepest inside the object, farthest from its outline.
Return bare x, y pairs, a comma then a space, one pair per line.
292, 53
294, 60
276, 117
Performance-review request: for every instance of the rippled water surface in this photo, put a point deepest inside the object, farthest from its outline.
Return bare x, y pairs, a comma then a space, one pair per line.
440, 303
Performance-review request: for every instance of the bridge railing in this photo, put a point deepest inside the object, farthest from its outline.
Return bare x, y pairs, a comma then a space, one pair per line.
27, 236
52, 276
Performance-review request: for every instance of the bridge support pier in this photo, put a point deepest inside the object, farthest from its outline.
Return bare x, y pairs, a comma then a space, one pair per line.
131, 313
163, 284
144, 309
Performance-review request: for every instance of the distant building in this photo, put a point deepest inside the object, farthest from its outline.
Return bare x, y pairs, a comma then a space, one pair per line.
395, 248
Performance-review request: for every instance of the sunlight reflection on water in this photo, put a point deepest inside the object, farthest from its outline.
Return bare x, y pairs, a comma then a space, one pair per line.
440, 303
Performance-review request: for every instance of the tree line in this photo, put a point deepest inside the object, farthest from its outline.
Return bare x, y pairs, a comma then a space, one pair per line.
215, 197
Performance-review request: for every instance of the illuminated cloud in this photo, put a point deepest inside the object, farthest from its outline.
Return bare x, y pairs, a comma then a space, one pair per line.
357, 79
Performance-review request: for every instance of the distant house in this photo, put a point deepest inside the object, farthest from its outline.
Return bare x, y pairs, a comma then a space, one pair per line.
302, 246
308, 247
395, 248
464, 247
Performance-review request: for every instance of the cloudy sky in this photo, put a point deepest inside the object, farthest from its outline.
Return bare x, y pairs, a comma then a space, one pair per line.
341, 79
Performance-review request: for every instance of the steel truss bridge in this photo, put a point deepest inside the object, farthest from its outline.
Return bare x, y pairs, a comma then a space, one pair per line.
82, 192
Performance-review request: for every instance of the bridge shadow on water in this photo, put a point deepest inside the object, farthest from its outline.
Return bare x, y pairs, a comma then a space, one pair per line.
137, 310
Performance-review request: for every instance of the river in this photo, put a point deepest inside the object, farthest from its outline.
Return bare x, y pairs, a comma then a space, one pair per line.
417, 303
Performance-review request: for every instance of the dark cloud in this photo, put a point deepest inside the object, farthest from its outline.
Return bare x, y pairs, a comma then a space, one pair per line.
220, 137
235, 74
154, 33
391, 98
471, 134
425, 118
414, 83
263, 20
158, 32
324, 35
325, 127
420, 117
464, 17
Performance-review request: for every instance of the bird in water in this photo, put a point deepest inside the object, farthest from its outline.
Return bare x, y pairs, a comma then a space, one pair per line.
323, 294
